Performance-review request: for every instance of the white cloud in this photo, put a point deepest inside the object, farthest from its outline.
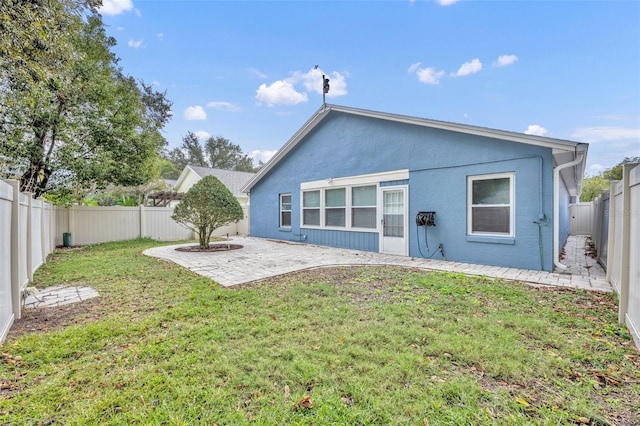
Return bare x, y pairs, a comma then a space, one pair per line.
160, 36
536, 129
284, 92
467, 68
607, 134
504, 60
135, 44
429, 75
115, 7
155, 83
195, 113
414, 67
254, 73
203, 135
279, 93
312, 81
259, 155
225, 106
595, 169
446, 2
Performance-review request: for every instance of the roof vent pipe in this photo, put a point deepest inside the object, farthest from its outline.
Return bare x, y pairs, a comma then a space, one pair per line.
556, 209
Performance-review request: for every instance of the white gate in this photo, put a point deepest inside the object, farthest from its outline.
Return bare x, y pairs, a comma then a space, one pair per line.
580, 219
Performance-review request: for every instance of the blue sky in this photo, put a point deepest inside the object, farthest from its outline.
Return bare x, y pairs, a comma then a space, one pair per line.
244, 70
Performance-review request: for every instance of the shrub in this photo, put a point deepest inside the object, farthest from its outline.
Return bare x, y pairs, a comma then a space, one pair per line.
208, 205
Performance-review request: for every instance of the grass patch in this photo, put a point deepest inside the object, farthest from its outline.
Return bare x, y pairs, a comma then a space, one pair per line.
366, 345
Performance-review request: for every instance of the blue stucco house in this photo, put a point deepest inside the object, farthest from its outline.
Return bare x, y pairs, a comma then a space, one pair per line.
410, 186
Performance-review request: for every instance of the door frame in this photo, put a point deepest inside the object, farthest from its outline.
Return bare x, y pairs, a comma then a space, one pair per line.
405, 191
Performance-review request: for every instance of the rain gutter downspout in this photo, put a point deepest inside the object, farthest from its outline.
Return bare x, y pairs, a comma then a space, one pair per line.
556, 209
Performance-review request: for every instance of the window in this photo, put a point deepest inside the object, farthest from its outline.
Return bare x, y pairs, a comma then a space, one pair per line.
363, 206
335, 202
311, 208
285, 210
490, 204
350, 207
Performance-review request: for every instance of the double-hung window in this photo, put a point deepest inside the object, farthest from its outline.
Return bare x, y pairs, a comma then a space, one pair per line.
335, 205
311, 208
350, 207
363, 206
285, 210
491, 205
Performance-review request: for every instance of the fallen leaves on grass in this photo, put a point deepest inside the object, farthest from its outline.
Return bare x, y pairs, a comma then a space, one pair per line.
305, 402
287, 392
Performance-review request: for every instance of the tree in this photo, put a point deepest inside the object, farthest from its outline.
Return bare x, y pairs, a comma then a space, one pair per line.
222, 154
593, 186
70, 120
208, 205
615, 173
217, 152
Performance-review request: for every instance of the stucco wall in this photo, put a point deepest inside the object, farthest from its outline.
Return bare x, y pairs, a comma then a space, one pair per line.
439, 162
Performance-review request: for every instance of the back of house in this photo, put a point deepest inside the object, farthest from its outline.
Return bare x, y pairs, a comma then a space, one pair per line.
409, 186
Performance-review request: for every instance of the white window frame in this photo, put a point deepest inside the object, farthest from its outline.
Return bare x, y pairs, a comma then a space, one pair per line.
319, 208
372, 206
348, 183
512, 204
282, 210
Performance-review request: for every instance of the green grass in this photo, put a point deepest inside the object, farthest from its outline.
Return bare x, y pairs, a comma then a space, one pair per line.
368, 345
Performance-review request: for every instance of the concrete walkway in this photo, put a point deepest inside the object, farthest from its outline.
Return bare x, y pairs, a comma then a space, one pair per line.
261, 259
60, 295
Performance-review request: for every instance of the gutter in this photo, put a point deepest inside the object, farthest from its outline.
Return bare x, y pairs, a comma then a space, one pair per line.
556, 209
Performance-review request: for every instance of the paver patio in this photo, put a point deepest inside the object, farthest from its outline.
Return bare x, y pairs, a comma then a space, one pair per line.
262, 258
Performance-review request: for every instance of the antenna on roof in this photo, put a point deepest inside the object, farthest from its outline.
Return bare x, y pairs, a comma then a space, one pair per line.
325, 88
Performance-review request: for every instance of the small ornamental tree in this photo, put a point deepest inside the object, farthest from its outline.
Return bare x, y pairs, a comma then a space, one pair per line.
208, 205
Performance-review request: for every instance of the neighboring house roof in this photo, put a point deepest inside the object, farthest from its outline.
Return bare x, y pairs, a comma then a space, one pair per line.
564, 151
230, 178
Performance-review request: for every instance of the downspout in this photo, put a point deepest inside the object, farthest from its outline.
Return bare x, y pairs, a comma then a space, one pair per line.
556, 209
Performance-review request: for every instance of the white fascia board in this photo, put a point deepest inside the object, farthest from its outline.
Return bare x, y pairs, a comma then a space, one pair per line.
371, 178
183, 176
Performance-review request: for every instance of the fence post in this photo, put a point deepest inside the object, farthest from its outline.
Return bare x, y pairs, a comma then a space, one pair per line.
143, 224
625, 244
15, 249
44, 245
29, 242
611, 240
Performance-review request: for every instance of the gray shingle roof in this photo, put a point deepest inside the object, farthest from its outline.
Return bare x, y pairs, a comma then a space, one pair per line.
230, 178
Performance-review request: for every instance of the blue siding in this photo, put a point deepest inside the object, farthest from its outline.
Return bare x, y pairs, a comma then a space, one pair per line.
439, 162
366, 241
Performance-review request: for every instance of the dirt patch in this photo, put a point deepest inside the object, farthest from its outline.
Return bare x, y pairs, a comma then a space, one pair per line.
213, 248
47, 319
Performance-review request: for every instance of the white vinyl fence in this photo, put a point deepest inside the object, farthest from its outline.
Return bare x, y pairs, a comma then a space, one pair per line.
617, 234
92, 225
30, 229
25, 242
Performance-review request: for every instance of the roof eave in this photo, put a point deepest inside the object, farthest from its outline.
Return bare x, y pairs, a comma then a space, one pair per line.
555, 144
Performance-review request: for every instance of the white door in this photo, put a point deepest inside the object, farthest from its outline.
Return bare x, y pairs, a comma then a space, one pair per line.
394, 221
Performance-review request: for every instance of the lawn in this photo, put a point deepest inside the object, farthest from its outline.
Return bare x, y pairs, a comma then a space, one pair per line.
339, 346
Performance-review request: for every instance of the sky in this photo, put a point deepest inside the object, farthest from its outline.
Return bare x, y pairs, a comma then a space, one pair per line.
251, 71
